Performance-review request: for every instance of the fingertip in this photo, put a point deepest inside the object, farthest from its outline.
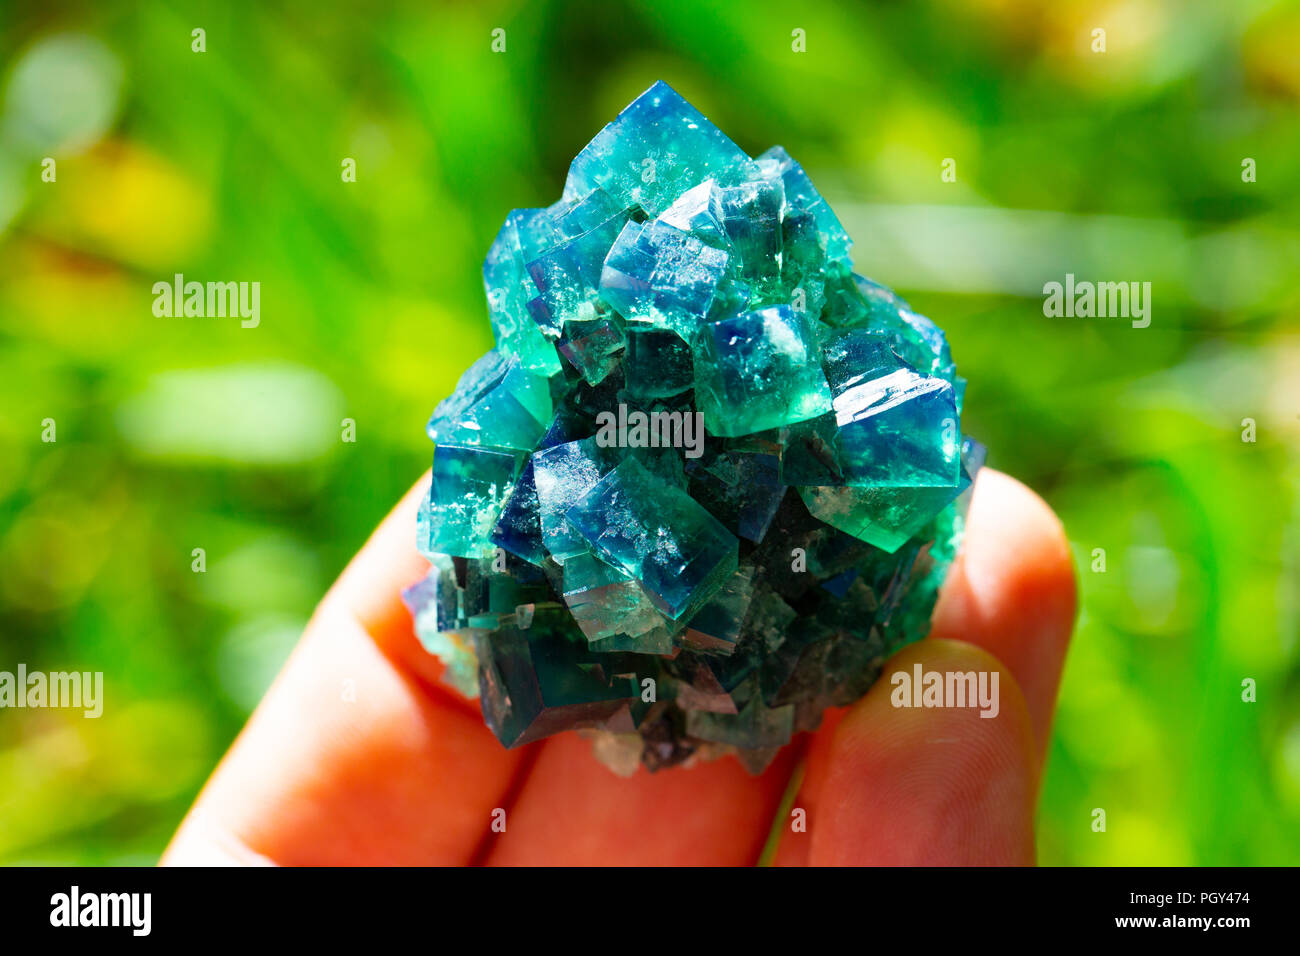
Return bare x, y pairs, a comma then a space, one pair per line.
201, 842
795, 845
370, 586
1010, 522
929, 786
348, 761
1012, 591
370, 591
575, 812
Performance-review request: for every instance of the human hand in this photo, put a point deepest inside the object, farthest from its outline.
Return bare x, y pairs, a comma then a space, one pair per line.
360, 755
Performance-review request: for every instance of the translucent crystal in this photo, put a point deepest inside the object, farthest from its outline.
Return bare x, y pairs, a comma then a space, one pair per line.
538, 681
751, 222
658, 363
497, 403
567, 273
509, 289
659, 275
804, 201
714, 591
895, 426
468, 489
658, 147
699, 212
563, 475
611, 608
655, 532
759, 370
435, 604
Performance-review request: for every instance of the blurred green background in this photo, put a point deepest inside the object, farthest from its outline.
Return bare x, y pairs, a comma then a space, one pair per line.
176, 434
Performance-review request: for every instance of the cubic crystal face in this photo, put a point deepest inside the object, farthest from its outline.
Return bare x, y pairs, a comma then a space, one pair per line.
468, 489
708, 480
656, 533
757, 371
657, 148
657, 274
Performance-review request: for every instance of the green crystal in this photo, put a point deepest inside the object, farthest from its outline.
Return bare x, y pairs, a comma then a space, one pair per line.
564, 474
658, 363
716, 627
509, 289
435, 604
884, 517
657, 148
498, 403
757, 726
759, 370
658, 275
540, 680
612, 610
567, 272
804, 202
468, 489
751, 220
895, 427
657, 533
717, 590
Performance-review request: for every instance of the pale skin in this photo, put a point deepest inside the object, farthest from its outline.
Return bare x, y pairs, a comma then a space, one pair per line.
359, 754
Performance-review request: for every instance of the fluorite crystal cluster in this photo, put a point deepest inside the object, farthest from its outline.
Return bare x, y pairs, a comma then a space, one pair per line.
708, 480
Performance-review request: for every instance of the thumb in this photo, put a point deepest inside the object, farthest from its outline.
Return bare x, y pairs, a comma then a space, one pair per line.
923, 786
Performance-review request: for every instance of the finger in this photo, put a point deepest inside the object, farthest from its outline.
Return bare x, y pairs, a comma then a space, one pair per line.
575, 812
370, 590
791, 830
1013, 554
350, 758
348, 761
1011, 591
923, 786
564, 777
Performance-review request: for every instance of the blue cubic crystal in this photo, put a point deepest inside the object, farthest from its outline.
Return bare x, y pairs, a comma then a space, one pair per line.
758, 371
563, 475
468, 489
656, 149
655, 532
709, 478
659, 275
895, 426
497, 403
